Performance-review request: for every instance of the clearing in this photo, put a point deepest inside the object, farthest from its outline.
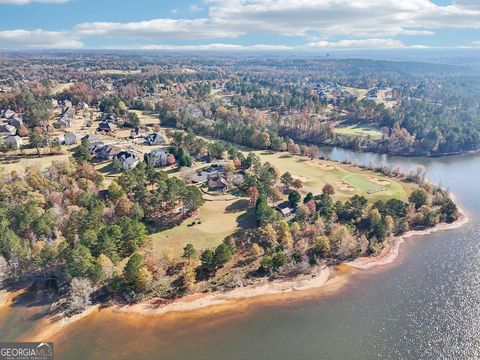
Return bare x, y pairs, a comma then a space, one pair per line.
357, 130
218, 219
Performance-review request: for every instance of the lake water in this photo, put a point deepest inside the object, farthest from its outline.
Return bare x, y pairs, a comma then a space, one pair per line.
427, 306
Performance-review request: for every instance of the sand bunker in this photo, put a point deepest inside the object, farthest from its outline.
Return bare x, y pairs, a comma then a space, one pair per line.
344, 186
379, 181
303, 179
321, 165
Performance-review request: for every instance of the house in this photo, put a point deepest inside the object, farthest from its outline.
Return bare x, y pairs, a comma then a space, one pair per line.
155, 139
157, 158
107, 127
137, 133
110, 119
64, 121
16, 121
92, 139
13, 142
70, 138
7, 114
6, 130
105, 152
128, 159
286, 210
217, 182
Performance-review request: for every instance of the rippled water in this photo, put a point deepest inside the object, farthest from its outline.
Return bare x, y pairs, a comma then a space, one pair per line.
425, 307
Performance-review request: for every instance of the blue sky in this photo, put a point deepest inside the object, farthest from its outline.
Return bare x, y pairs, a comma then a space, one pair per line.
239, 24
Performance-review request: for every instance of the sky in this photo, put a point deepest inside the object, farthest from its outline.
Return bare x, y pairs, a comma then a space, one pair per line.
230, 25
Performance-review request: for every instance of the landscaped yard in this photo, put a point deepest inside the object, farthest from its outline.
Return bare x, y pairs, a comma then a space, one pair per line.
218, 220
347, 180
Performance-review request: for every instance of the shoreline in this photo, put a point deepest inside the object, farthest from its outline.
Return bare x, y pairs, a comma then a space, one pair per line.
329, 278
324, 275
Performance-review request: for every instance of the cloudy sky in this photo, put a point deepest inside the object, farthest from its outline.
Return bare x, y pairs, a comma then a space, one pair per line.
239, 24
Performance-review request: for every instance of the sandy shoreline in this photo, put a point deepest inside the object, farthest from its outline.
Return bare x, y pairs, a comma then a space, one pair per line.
322, 277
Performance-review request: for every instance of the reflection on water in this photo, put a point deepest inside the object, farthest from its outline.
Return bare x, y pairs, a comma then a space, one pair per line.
426, 307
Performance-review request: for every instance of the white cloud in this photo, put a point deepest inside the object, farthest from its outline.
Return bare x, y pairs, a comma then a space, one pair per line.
206, 47
159, 29
25, 2
343, 17
357, 44
16, 39
194, 8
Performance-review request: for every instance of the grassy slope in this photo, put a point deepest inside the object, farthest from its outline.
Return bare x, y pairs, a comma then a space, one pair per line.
218, 220
355, 130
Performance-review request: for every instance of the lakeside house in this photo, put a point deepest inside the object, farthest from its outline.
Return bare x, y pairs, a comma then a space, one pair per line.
128, 159
13, 142
157, 158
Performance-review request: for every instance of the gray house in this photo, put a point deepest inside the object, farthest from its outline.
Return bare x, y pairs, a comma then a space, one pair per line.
70, 138
128, 159
6, 130
155, 139
157, 158
13, 142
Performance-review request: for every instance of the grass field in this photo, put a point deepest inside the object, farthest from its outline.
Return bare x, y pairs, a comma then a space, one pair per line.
218, 220
347, 180
355, 130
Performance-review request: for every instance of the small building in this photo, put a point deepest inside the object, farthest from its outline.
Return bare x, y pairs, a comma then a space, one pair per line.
107, 127
70, 138
13, 142
137, 133
128, 159
155, 139
7, 130
157, 158
286, 210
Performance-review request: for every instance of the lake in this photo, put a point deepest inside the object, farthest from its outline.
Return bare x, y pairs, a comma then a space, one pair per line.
426, 306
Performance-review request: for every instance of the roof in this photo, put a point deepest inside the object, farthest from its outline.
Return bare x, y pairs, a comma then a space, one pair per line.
285, 208
107, 126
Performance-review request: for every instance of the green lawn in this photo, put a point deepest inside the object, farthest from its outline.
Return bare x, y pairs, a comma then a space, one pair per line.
218, 220
355, 130
347, 180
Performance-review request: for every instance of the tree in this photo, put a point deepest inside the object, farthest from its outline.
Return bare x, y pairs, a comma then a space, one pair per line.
189, 252
81, 154
37, 141
223, 254
418, 197
308, 198
328, 189
297, 184
132, 268
207, 259
294, 198
80, 263
264, 213
448, 210
79, 296
253, 195
287, 180
133, 120
134, 234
